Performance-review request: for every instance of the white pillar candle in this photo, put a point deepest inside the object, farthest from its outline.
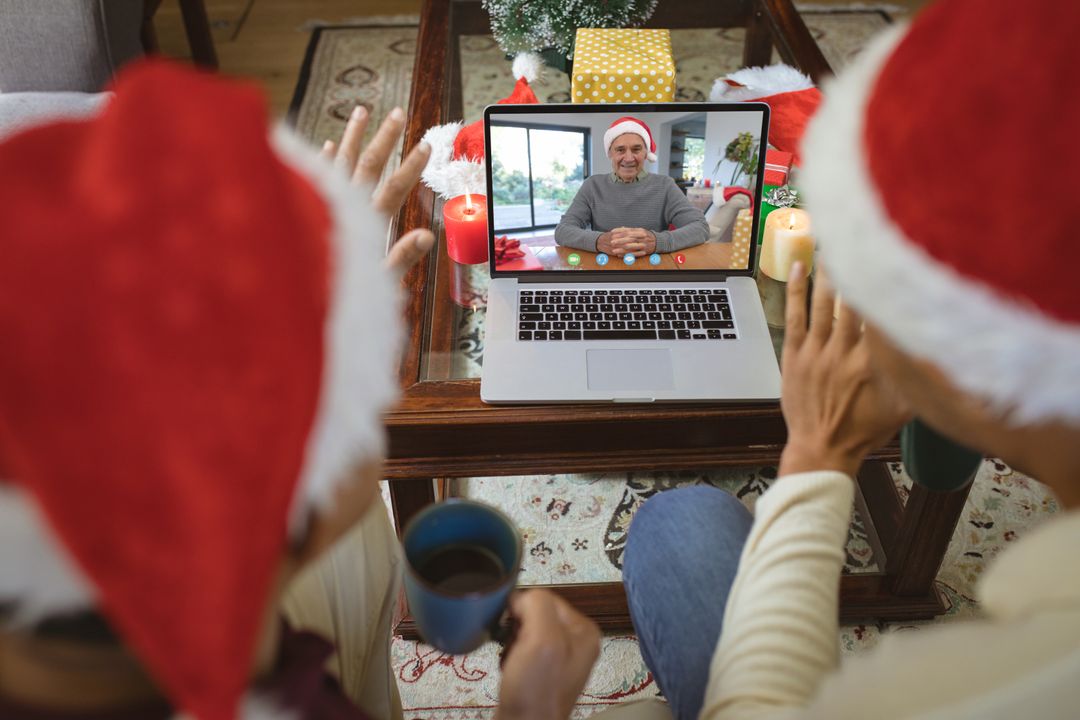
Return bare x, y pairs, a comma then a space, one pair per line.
786, 240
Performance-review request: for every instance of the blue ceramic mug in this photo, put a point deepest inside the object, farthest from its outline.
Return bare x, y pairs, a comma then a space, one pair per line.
462, 561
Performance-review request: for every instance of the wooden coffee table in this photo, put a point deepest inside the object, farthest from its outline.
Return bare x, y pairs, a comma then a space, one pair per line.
442, 430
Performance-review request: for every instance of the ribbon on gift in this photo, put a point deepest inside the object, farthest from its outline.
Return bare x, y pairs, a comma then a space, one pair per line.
783, 196
507, 249
777, 166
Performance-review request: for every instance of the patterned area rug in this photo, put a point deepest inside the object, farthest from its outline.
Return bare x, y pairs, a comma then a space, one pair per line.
574, 528
575, 525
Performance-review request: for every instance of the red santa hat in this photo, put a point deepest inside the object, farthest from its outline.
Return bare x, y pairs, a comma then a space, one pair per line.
631, 126
198, 341
457, 150
722, 194
791, 96
932, 195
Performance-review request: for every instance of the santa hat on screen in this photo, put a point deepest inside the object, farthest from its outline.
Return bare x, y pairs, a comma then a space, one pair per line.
457, 150
187, 368
791, 96
632, 126
721, 195
930, 198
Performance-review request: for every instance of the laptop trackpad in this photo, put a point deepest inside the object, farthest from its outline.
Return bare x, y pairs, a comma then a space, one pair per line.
623, 370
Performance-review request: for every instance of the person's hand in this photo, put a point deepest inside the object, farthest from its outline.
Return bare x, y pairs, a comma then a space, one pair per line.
603, 243
633, 241
836, 407
365, 167
545, 669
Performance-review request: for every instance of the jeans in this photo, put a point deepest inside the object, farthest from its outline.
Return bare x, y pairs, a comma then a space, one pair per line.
681, 556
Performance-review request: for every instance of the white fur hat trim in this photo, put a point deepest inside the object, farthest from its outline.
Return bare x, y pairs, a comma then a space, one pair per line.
759, 82
446, 176
1023, 363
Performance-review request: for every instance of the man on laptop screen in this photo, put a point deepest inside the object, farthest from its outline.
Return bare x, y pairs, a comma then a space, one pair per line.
630, 210
638, 199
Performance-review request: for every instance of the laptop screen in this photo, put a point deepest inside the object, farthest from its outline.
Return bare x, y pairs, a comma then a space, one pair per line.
659, 187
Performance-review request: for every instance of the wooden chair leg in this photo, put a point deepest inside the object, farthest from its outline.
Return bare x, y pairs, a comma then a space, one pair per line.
147, 34
197, 27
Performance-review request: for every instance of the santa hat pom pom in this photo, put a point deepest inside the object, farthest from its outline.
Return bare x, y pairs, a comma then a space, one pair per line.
528, 65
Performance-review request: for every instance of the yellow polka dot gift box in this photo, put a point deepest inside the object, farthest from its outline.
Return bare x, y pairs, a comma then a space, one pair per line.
622, 65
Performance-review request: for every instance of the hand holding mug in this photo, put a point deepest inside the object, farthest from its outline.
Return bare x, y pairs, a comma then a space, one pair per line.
546, 667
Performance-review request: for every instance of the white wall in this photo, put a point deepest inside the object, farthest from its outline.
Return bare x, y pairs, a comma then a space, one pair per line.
720, 129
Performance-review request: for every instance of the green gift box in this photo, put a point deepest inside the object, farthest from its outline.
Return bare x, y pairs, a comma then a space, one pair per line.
763, 212
785, 194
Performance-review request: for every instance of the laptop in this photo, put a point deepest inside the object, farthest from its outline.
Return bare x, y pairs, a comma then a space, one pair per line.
584, 305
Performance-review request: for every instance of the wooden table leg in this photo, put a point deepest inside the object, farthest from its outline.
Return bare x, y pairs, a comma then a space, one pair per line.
757, 50
408, 497
930, 519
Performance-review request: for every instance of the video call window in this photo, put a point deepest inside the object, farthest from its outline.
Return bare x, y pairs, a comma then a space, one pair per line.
536, 173
612, 190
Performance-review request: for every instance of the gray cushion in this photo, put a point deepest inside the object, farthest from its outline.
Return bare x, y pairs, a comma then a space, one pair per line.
66, 45
19, 111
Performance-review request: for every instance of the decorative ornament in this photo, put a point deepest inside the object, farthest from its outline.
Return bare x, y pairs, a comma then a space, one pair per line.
783, 196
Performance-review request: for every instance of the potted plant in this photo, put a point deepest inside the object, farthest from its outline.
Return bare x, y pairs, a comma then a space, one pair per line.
743, 151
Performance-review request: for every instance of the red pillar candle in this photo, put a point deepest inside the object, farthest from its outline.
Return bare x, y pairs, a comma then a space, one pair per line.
465, 220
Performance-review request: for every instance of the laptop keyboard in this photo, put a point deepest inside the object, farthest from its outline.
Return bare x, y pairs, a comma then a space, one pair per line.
703, 314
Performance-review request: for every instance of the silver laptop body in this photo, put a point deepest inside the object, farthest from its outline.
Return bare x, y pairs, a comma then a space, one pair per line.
724, 354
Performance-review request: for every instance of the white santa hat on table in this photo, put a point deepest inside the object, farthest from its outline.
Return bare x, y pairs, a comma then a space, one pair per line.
456, 166
631, 126
198, 341
933, 198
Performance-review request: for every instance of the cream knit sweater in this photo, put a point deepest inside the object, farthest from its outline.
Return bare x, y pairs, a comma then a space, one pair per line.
778, 654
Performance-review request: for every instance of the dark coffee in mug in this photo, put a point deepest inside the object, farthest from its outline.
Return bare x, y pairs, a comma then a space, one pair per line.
462, 569
462, 560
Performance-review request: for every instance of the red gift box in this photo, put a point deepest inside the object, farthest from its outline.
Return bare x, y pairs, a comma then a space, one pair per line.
777, 166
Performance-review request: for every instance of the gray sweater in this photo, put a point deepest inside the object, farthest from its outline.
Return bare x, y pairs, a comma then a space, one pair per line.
653, 203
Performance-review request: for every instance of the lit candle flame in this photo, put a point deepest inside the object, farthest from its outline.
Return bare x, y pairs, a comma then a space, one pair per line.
791, 221
468, 203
